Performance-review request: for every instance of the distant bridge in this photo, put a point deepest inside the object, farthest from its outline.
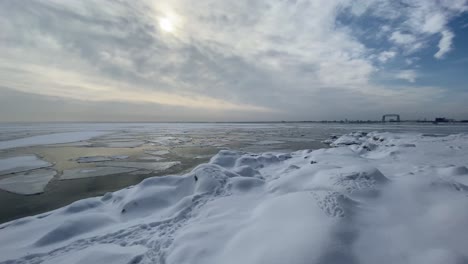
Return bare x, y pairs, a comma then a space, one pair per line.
384, 117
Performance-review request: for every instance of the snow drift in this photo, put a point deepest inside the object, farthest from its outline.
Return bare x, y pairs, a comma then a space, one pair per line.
372, 198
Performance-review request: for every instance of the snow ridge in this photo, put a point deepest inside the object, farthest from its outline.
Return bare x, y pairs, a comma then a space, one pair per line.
352, 203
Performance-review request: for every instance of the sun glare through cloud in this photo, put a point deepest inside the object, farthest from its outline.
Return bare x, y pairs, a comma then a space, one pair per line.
166, 24
328, 56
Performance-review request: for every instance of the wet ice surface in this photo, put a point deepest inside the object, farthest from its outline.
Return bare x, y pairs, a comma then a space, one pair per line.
72, 147
93, 172
91, 159
27, 183
21, 163
157, 152
151, 158
52, 138
150, 166
374, 197
120, 144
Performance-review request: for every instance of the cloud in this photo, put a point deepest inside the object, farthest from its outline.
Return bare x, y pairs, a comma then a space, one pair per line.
423, 20
384, 56
270, 59
445, 44
401, 38
408, 75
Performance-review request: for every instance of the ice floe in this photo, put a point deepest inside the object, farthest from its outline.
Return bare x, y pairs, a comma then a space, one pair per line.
89, 159
27, 183
170, 141
153, 166
268, 142
56, 138
373, 198
157, 152
152, 158
21, 163
122, 144
93, 172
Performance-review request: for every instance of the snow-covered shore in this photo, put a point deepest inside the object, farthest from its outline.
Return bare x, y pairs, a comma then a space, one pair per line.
372, 198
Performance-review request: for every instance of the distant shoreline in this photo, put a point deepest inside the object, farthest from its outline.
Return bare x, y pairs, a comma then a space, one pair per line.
237, 122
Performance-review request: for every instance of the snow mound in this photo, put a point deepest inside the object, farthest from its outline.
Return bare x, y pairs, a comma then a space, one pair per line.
74, 227
103, 254
355, 138
453, 171
348, 204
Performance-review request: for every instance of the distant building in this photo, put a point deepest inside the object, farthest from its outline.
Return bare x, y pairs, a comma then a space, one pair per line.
443, 120
394, 118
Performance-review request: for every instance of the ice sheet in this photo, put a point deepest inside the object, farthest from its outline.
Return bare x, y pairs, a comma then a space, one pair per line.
27, 183
90, 159
157, 152
93, 172
152, 158
21, 163
120, 144
153, 166
55, 138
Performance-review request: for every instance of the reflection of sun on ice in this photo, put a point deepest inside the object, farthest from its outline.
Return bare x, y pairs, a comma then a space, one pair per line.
166, 25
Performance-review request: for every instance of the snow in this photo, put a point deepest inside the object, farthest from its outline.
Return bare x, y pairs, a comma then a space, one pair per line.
93, 172
21, 163
27, 183
372, 198
56, 138
102, 254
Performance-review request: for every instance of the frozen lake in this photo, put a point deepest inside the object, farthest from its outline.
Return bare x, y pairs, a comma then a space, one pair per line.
46, 166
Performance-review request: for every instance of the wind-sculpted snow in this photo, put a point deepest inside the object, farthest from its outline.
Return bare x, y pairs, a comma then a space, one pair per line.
371, 198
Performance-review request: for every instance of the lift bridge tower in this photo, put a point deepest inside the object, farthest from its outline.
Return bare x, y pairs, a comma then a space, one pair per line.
385, 117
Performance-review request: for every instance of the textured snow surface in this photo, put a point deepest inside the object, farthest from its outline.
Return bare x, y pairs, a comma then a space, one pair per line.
55, 138
21, 163
373, 198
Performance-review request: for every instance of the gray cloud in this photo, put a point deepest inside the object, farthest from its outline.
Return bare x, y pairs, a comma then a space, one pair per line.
224, 60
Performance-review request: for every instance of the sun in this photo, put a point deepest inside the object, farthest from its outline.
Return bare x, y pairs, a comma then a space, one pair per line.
166, 25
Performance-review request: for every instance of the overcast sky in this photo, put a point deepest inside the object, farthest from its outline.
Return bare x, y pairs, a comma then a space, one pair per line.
226, 60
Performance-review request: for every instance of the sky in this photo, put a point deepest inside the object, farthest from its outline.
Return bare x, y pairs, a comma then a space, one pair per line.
223, 60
